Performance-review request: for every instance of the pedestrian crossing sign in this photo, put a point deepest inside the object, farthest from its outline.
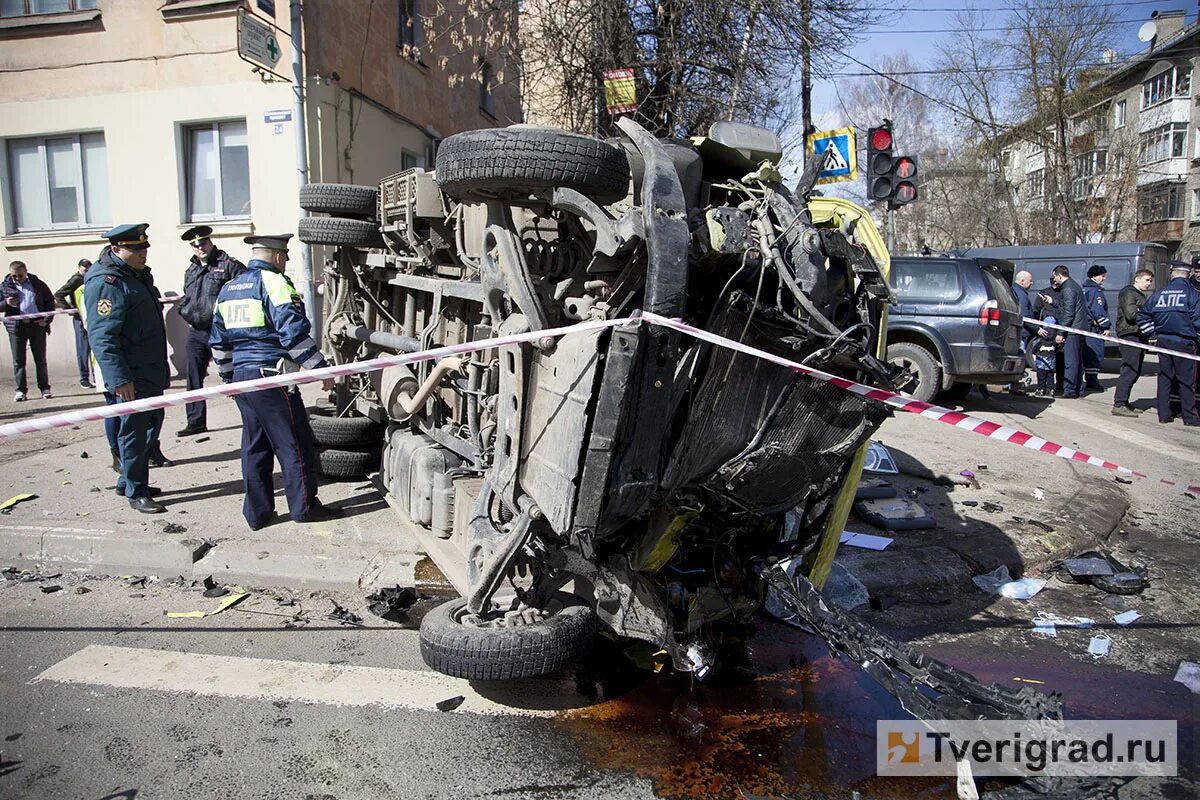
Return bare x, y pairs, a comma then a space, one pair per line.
836, 147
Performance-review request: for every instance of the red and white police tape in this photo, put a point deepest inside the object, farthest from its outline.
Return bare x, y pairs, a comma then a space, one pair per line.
966, 422
57, 311
1114, 340
69, 418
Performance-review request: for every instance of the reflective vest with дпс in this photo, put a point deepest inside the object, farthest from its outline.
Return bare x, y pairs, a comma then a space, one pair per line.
259, 322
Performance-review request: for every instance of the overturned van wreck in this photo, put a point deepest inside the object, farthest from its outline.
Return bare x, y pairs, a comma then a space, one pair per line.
631, 478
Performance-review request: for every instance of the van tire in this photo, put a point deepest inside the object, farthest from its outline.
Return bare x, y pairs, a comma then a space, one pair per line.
461, 650
330, 430
340, 199
505, 163
340, 232
347, 464
920, 362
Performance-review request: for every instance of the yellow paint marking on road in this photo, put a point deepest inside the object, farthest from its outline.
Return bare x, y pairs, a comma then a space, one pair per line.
299, 681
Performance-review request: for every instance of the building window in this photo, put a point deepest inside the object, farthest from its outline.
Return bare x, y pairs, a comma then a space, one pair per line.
218, 170
408, 160
1160, 202
1174, 82
1088, 168
1166, 141
26, 8
58, 182
487, 82
1119, 114
1195, 203
409, 35
1036, 183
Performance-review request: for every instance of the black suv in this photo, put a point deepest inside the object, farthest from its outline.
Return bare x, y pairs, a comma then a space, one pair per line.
955, 322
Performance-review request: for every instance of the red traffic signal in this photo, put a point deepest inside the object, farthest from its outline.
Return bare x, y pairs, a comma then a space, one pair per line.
904, 185
880, 162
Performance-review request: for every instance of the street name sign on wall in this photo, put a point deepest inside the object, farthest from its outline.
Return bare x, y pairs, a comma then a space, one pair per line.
258, 42
836, 147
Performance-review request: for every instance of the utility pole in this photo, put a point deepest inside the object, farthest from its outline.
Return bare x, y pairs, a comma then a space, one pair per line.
299, 123
891, 229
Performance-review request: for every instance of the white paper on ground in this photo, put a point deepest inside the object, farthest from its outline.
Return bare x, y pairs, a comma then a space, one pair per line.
1189, 675
1044, 628
1099, 645
1126, 617
866, 541
1038, 494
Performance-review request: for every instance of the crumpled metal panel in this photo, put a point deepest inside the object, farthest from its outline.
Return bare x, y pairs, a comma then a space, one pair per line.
763, 435
561, 384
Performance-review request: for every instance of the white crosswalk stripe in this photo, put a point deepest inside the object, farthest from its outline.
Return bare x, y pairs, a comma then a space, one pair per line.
298, 681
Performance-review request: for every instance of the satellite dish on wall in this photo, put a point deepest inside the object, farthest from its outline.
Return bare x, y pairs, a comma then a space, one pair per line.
1148, 31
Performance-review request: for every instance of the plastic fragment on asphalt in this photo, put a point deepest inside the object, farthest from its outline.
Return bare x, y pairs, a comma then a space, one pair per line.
1038, 494
1099, 645
999, 581
870, 488
895, 514
7, 506
450, 703
226, 603
866, 541
879, 459
1189, 675
1066, 622
1087, 567
1029, 680
1126, 617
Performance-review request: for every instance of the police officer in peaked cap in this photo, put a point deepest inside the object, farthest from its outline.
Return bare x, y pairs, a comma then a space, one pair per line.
259, 329
209, 270
129, 343
1172, 316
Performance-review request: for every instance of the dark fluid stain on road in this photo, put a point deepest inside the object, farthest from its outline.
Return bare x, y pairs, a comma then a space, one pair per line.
804, 726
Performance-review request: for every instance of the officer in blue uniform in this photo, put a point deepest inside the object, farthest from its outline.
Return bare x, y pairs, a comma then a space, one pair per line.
1172, 314
209, 270
1098, 322
259, 329
129, 343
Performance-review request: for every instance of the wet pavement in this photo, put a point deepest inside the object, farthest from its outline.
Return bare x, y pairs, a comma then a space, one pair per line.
801, 723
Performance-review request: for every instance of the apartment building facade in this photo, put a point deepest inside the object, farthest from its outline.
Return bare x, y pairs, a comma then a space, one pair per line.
1133, 155
143, 111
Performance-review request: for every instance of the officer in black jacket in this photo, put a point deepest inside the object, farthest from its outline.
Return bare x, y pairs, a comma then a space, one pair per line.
1072, 312
1172, 317
211, 268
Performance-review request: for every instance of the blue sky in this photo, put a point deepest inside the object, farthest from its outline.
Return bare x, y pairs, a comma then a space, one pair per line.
931, 15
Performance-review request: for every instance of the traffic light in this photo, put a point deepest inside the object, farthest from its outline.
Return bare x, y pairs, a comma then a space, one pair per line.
904, 181
880, 162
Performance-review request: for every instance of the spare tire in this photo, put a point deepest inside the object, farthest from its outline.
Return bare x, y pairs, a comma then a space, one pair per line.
340, 232
453, 646
336, 463
330, 430
505, 163
340, 199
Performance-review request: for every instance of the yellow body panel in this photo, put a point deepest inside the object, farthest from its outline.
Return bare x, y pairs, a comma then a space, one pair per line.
834, 212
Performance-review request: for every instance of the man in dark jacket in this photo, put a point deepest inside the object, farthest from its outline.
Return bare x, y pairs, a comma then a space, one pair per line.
129, 340
1172, 316
1129, 302
1098, 322
69, 295
1072, 312
1021, 285
210, 269
24, 293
